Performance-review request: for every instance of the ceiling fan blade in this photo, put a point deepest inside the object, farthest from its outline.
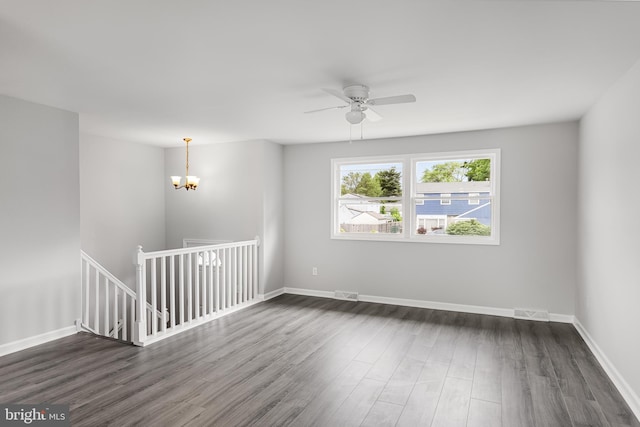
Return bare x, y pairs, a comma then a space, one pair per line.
338, 94
372, 114
324, 109
399, 99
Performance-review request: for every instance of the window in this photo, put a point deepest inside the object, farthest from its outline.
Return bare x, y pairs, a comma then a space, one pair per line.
434, 197
369, 198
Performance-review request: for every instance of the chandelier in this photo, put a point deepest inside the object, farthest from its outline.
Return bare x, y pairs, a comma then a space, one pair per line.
191, 181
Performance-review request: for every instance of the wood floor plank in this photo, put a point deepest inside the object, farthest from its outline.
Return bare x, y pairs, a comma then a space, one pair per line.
453, 406
549, 408
517, 404
305, 361
389, 360
484, 414
421, 404
444, 345
330, 399
382, 414
608, 397
463, 360
585, 413
401, 384
355, 408
487, 378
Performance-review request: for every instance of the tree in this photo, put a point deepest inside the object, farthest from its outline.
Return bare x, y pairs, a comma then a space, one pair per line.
389, 180
368, 186
478, 170
444, 172
350, 182
469, 228
360, 183
395, 214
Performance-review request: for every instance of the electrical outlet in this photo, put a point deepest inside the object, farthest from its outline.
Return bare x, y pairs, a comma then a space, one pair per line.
314, 271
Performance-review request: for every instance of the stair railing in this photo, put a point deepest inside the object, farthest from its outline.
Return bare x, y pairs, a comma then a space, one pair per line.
196, 284
108, 305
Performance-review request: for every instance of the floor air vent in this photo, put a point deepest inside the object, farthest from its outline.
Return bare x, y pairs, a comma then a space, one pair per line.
531, 314
346, 295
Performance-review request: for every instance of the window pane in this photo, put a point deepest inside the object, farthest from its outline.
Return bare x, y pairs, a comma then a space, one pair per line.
360, 215
461, 217
453, 170
453, 197
371, 179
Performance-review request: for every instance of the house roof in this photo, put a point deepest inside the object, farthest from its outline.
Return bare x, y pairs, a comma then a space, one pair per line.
453, 187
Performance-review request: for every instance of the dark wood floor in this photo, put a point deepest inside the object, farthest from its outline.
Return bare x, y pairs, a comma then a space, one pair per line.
310, 361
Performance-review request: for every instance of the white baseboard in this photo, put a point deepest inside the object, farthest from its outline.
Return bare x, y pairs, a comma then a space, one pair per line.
26, 343
272, 294
562, 318
623, 387
308, 292
461, 308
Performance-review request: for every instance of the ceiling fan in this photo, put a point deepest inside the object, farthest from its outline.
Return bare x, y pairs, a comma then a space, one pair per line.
357, 97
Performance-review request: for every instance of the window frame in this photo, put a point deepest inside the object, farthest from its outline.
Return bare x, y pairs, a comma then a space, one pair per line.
409, 198
474, 199
445, 199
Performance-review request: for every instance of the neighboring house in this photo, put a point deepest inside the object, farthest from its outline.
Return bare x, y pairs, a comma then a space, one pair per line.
449, 202
364, 217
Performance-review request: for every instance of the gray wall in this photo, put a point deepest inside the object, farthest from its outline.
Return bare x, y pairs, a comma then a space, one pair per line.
272, 233
238, 199
609, 271
122, 188
39, 219
534, 266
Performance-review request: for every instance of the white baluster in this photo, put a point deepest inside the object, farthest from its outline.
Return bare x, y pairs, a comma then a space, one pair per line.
189, 289
235, 276
225, 279
96, 315
87, 289
125, 325
172, 290
244, 273
210, 283
115, 311
163, 293
106, 306
218, 267
204, 284
141, 297
154, 298
250, 295
256, 277
181, 286
196, 286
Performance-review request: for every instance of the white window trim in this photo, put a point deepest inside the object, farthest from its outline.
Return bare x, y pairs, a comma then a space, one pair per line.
409, 198
445, 199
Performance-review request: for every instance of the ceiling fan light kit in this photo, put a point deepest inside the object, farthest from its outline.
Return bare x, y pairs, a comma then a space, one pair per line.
355, 116
357, 97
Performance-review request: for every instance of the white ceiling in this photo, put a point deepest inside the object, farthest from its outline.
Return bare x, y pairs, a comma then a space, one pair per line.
153, 71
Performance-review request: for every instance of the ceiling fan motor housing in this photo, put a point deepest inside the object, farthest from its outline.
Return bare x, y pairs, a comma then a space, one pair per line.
358, 93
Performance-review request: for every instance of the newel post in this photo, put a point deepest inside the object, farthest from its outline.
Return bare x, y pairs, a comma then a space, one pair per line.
141, 298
